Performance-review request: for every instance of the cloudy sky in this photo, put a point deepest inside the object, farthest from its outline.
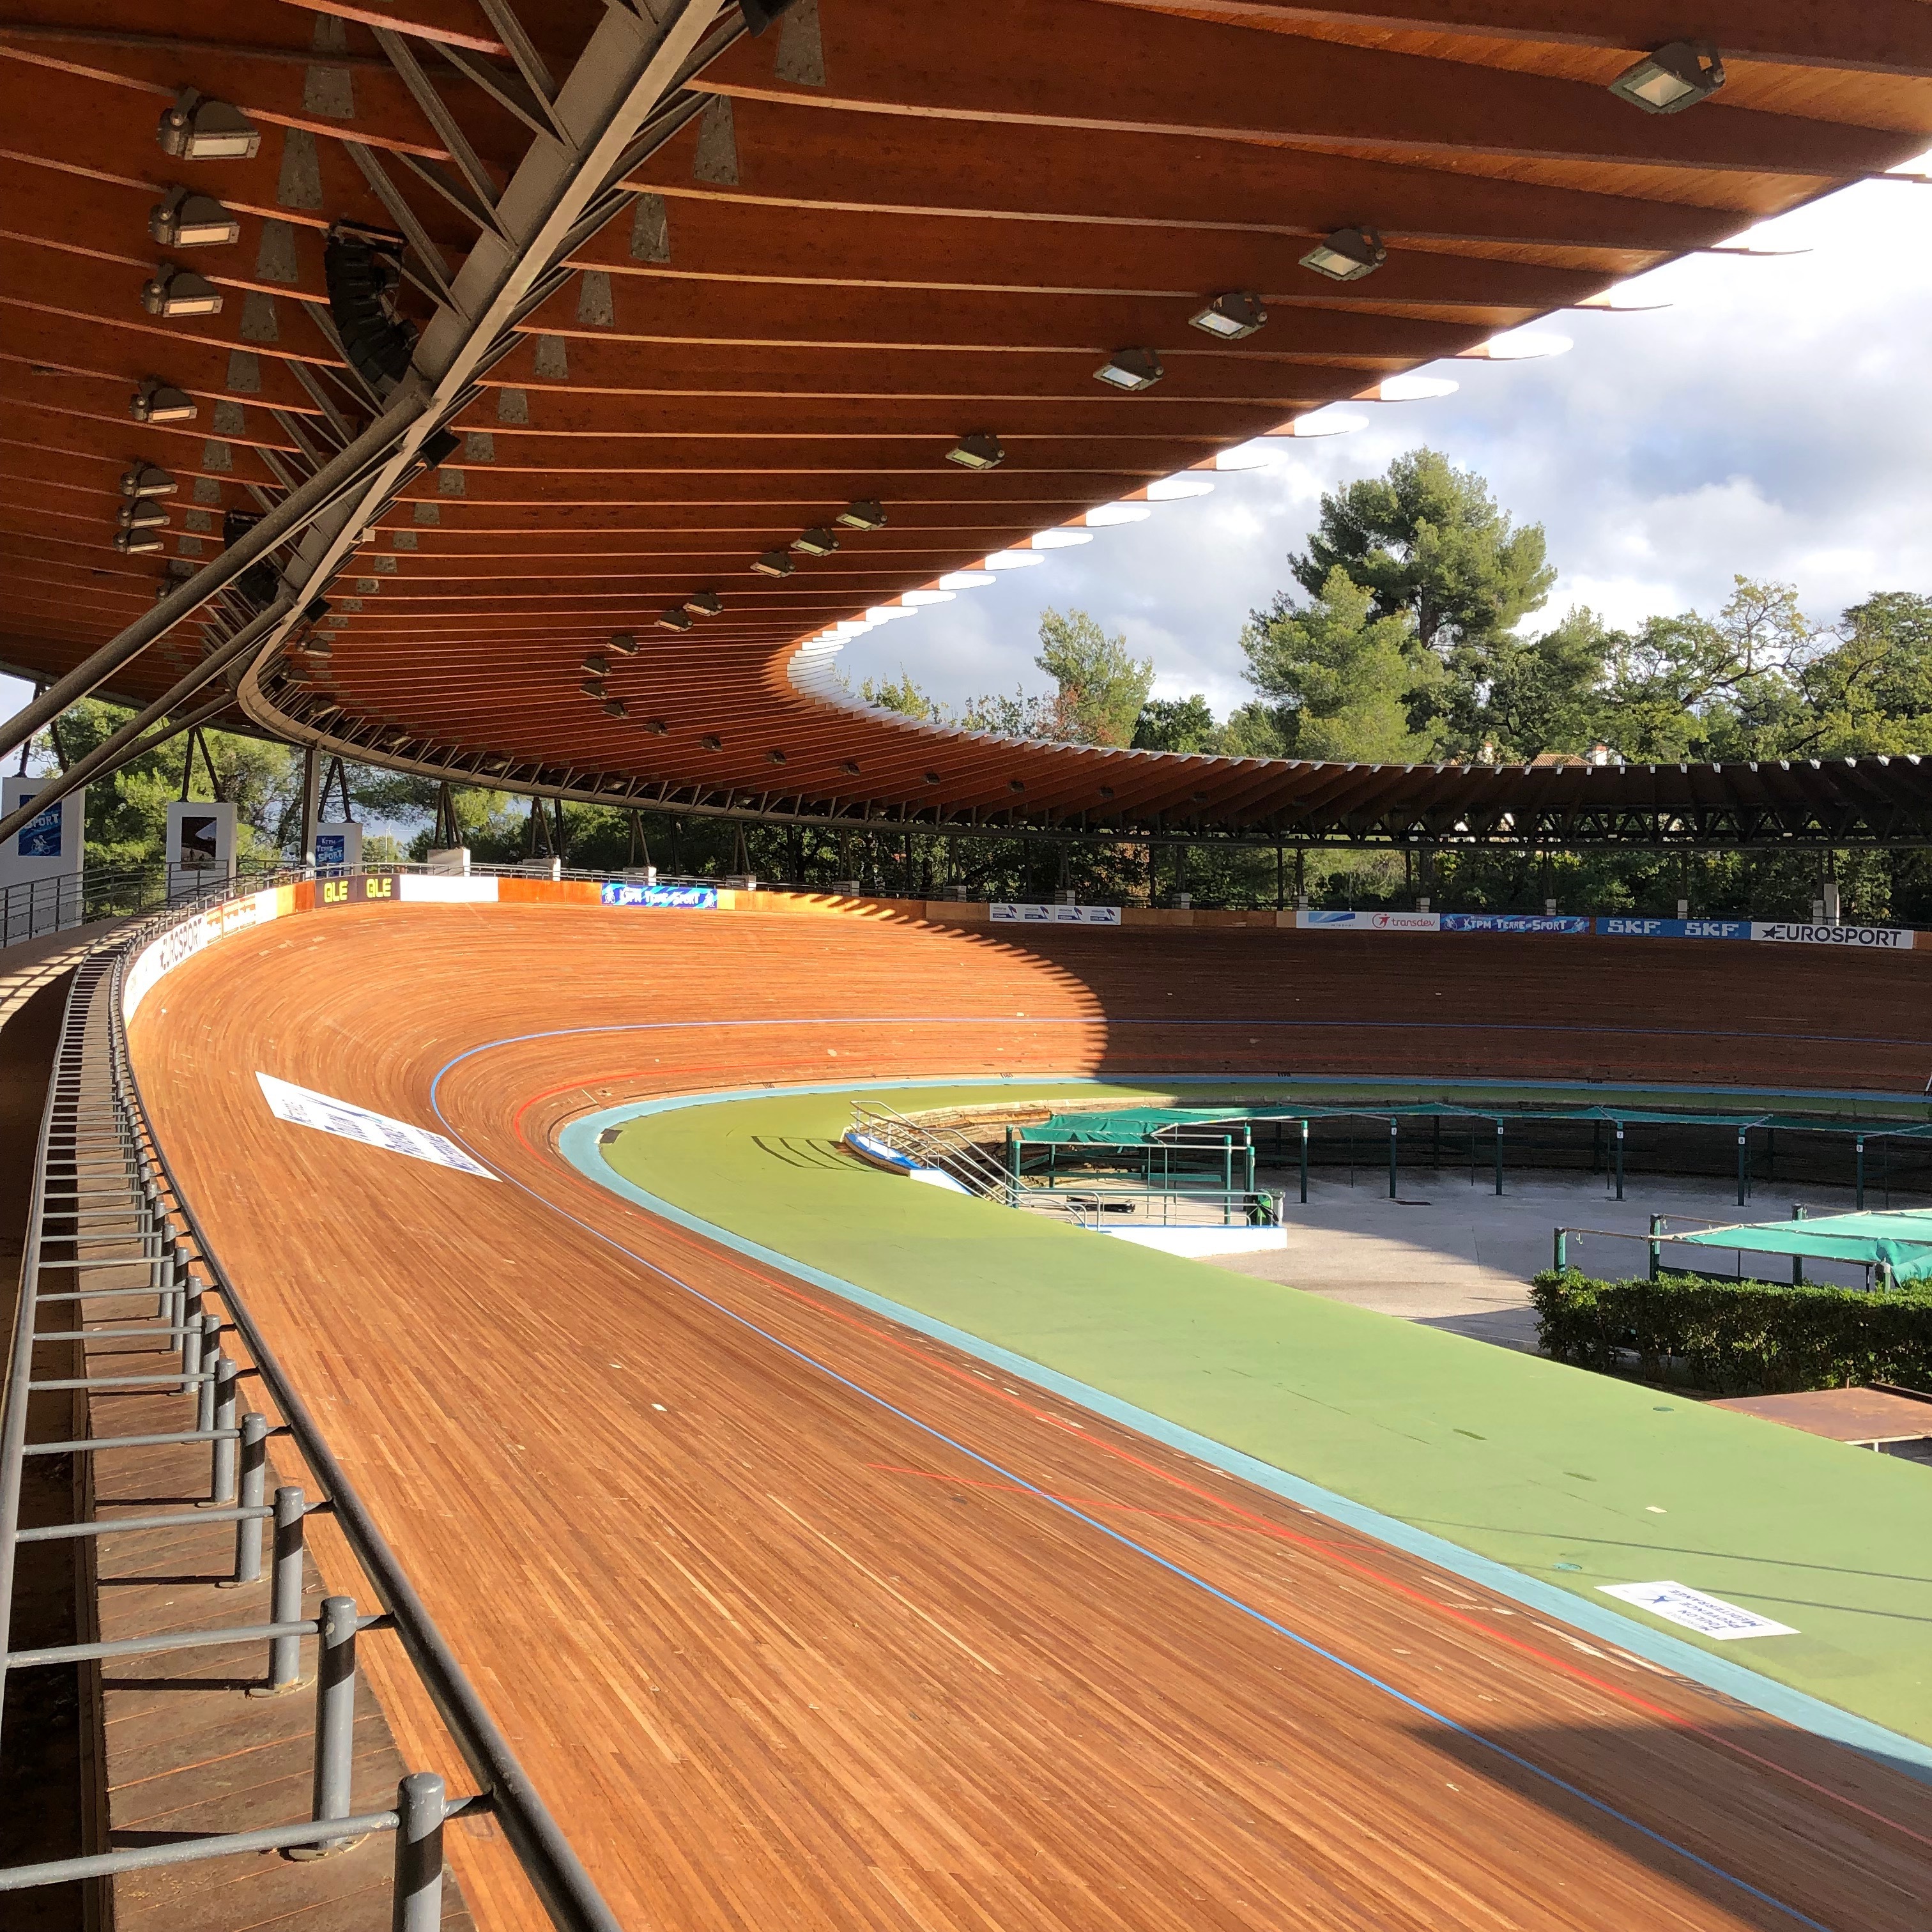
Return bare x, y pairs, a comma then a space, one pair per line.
1775, 420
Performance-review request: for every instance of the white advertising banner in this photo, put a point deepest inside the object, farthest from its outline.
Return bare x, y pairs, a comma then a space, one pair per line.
1708, 1616
445, 888
183, 941
40, 865
1803, 932
1309, 921
306, 1109
1019, 912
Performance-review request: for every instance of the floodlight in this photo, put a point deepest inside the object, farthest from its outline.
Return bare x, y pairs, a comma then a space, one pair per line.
704, 603
136, 543
613, 707
850, 766
597, 665
1016, 785
1130, 369
981, 450
318, 645
816, 542
773, 563
624, 643
172, 291
674, 618
775, 757
198, 129
147, 479
187, 220
142, 515
932, 777
1676, 76
711, 742
158, 402
592, 687
868, 515
656, 727
1231, 316
1347, 255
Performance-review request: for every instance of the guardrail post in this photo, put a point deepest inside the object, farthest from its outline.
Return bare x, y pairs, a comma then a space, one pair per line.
1499, 1157
335, 1719
1656, 1245
254, 1485
418, 1906
187, 1300
285, 1601
221, 1461
1799, 1212
1742, 1156
1859, 1202
209, 1367
1560, 1260
1620, 1160
1392, 1143
1304, 1163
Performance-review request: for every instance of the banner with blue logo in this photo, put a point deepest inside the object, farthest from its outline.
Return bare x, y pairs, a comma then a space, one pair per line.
1514, 922
1674, 929
693, 898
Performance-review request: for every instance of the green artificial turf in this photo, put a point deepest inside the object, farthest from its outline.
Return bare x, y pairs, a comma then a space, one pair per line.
1576, 1479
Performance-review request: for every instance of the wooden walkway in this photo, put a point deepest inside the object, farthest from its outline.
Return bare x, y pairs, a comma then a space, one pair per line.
798, 1618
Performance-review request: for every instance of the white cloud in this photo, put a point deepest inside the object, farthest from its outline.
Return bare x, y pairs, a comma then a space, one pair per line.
1772, 422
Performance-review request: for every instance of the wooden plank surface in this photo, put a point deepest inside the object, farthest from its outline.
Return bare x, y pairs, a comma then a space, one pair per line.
1843, 1415
796, 1617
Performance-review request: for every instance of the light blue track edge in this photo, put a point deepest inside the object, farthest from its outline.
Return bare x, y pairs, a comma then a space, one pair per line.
579, 1145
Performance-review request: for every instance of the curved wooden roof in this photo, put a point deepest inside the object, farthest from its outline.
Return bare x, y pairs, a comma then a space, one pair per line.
854, 237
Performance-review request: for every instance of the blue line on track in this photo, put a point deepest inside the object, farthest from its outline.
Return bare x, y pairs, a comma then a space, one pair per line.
986, 1462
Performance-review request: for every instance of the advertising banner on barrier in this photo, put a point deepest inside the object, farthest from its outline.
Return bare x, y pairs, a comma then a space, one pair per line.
1368, 922
1514, 922
1013, 911
1802, 932
357, 888
1674, 929
446, 889
691, 899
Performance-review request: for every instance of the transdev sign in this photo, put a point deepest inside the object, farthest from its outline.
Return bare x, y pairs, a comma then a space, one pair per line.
1370, 922
698, 898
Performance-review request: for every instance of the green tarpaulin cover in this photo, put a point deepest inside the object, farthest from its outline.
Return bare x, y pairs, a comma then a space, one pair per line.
1901, 1238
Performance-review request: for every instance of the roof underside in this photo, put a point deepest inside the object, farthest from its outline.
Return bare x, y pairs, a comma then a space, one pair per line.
867, 231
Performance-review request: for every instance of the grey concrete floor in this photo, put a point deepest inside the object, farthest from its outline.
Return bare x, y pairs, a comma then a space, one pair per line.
1459, 1257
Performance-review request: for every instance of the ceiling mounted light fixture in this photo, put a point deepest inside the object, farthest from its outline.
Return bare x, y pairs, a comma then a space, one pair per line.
156, 401
818, 541
704, 603
1347, 255
1130, 369
147, 479
196, 128
136, 543
775, 757
674, 617
711, 742
143, 514
613, 707
624, 643
171, 291
656, 727
932, 777
773, 563
981, 450
597, 665
189, 220
1232, 316
868, 513
592, 687
1677, 75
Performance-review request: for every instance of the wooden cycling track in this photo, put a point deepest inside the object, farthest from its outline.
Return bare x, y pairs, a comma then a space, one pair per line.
797, 1618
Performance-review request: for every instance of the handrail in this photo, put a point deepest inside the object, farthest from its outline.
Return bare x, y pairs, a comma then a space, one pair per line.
946, 1148
567, 1893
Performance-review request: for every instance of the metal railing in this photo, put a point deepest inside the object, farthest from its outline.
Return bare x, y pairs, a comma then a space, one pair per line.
938, 1146
98, 1162
1156, 1207
1877, 1273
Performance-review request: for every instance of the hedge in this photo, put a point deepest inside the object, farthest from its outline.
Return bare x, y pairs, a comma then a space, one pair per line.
1737, 1338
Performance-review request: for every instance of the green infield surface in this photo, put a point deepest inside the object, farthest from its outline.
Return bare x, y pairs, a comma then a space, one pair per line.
1570, 1480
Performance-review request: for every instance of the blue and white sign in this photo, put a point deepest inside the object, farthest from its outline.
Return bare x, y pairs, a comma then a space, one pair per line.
1011, 911
1514, 922
40, 865
1802, 932
1368, 922
691, 898
1674, 929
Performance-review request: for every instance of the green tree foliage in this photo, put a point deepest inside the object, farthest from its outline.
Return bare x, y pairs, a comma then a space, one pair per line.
1428, 539
1348, 684
1100, 686
1177, 724
900, 694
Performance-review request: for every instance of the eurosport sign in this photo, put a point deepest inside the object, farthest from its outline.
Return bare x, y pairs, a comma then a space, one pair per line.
691, 898
1015, 912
